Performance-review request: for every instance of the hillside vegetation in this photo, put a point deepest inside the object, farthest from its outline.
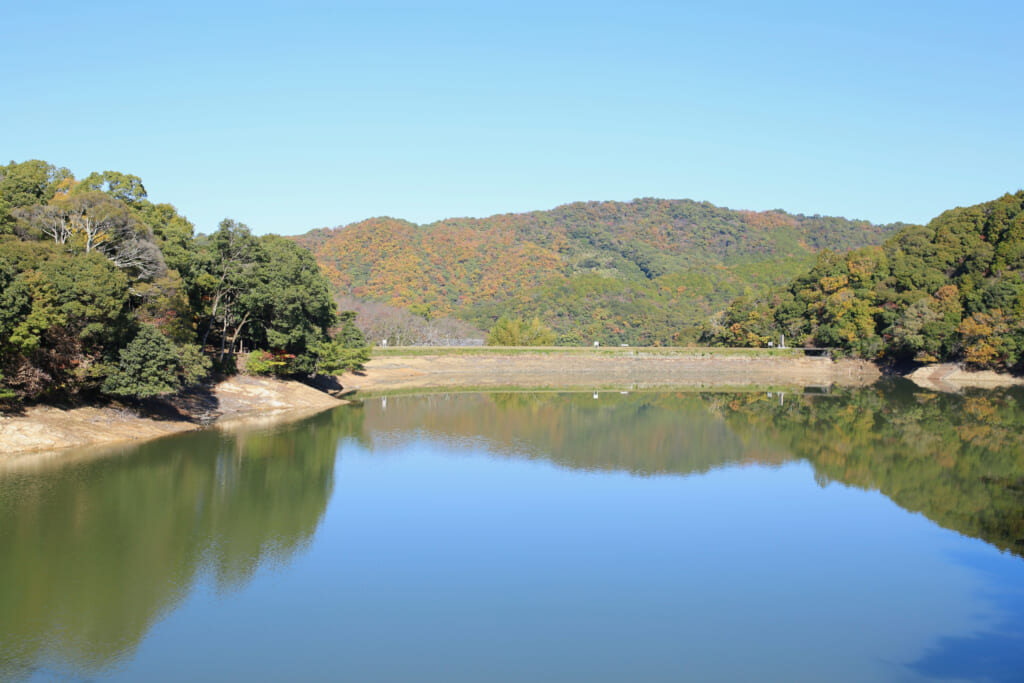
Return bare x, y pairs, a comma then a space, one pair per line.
951, 290
105, 292
646, 272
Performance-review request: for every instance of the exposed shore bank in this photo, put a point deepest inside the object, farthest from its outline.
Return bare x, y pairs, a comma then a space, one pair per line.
638, 369
242, 399
48, 428
951, 378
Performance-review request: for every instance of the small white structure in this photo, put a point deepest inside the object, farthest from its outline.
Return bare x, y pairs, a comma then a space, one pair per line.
597, 343
384, 343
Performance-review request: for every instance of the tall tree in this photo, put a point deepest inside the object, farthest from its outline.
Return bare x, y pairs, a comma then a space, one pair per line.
94, 221
26, 184
63, 315
123, 186
288, 307
222, 272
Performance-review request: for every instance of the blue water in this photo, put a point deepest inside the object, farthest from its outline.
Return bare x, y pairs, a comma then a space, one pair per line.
455, 548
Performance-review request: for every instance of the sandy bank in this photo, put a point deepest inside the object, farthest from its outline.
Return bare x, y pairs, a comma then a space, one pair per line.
542, 370
248, 398
951, 378
46, 428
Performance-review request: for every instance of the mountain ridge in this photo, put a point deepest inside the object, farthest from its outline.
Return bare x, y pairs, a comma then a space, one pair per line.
648, 271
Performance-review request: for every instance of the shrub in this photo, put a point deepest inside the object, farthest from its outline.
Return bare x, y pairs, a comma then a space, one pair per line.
261, 362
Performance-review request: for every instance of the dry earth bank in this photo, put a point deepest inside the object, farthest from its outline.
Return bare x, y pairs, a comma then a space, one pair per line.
637, 369
245, 399
951, 378
46, 428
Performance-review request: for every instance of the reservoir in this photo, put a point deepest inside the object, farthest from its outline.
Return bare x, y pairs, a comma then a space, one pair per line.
847, 535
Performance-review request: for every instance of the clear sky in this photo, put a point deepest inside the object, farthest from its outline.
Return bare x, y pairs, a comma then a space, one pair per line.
292, 116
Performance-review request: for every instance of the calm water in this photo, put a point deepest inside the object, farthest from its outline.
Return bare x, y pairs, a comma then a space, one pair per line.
868, 536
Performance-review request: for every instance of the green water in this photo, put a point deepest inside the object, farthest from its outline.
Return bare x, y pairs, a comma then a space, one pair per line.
870, 535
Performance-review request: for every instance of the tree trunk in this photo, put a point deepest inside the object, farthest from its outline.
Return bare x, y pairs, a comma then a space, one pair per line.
223, 339
238, 332
213, 317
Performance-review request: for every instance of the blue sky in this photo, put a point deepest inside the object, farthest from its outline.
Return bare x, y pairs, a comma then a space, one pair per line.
294, 116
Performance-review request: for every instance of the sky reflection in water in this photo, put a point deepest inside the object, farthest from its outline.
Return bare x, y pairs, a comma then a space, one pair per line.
522, 537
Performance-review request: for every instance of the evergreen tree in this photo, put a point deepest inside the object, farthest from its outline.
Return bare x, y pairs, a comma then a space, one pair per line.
149, 366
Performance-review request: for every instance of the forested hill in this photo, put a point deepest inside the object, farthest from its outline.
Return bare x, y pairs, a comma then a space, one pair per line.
642, 272
950, 290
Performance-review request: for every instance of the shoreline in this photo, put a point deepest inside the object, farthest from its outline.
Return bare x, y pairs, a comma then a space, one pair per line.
49, 431
544, 370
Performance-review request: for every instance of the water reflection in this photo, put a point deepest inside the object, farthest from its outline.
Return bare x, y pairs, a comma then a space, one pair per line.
640, 433
957, 459
93, 553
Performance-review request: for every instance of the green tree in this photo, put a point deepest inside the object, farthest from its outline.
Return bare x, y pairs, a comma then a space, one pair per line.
30, 182
220, 273
148, 367
151, 365
747, 322
122, 186
26, 184
334, 357
62, 317
173, 233
517, 332
288, 307
347, 333
93, 221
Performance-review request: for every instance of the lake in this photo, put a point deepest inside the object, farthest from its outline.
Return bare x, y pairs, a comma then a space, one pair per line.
868, 535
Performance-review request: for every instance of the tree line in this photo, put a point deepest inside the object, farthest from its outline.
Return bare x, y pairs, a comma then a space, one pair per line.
952, 290
103, 292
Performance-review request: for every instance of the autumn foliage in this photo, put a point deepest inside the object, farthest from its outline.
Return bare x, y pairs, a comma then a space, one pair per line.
649, 271
951, 290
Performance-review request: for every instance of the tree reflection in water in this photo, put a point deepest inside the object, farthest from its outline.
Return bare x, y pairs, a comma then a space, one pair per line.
96, 551
957, 459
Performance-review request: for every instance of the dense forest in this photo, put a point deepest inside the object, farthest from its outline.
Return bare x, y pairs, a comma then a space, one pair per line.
950, 290
646, 272
103, 292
